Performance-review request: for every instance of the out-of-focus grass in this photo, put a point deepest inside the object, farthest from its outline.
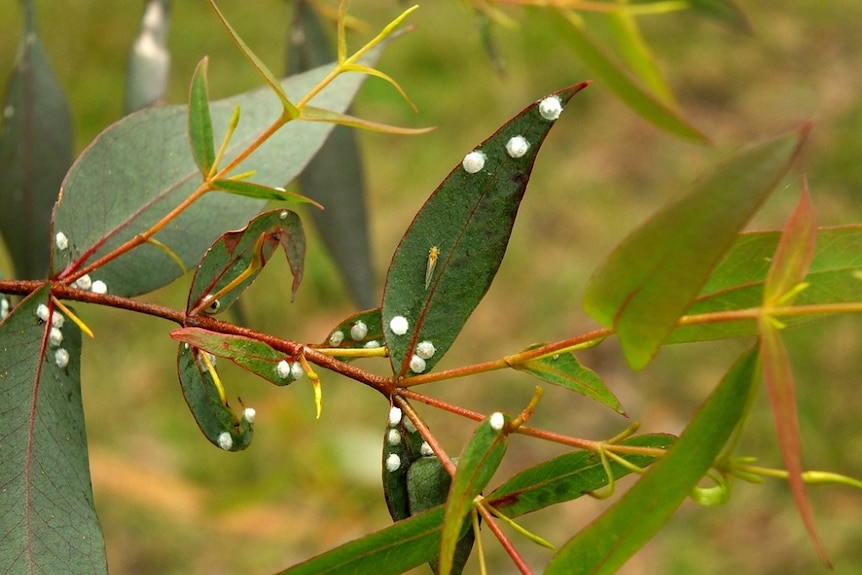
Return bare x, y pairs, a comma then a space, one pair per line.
170, 503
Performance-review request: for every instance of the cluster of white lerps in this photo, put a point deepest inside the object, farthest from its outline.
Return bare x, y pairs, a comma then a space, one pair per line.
84, 282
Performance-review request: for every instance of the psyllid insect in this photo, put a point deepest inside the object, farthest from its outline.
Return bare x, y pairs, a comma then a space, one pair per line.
433, 254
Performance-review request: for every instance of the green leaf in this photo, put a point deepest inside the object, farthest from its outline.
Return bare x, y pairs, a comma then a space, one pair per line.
250, 354
236, 259
200, 122
49, 524
724, 11
390, 551
362, 330
402, 445
427, 487
207, 402
149, 59
334, 177
565, 370
645, 104
619, 532
568, 477
460, 236
633, 47
261, 192
140, 169
479, 461
649, 281
36, 147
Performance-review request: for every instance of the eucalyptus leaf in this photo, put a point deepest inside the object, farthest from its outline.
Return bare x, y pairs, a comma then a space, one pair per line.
200, 122
49, 523
236, 259
140, 169
334, 177
449, 255
36, 147
362, 330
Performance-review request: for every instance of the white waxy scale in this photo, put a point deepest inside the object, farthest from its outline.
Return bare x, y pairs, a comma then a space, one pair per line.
61, 241
249, 414
57, 319
55, 337
61, 358
42, 312
4, 308
425, 449
550, 108
408, 425
399, 325
358, 331
283, 214
373, 344
84, 282
497, 421
99, 287
225, 441
336, 338
393, 462
425, 349
283, 369
517, 146
417, 364
393, 437
297, 371
395, 416
8, 112
473, 162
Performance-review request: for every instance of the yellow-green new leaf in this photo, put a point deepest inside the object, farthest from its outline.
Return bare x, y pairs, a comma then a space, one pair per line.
200, 122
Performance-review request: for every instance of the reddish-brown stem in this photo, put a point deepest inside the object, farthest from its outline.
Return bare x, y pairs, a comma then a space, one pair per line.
491, 522
408, 410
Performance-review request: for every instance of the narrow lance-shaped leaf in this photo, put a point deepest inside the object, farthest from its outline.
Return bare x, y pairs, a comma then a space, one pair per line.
149, 59
334, 177
236, 259
220, 424
788, 268
49, 522
619, 81
564, 370
651, 278
416, 540
453, 248
36, 147
794, 253
619, 532
568, 477
158, 173
479, 461
250, 354
724, 11
200, 122
261, 192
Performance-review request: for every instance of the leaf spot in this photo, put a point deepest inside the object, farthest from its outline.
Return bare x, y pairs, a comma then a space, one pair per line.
550, 108
61, 358
60, 240
517, 146
417, 364
99, 287
497, 421
358, 331
399, 325
394, 416
225, 441
473, 162
425, 349
393, 462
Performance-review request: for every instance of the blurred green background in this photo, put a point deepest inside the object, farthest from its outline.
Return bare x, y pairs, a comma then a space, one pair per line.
170, 503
